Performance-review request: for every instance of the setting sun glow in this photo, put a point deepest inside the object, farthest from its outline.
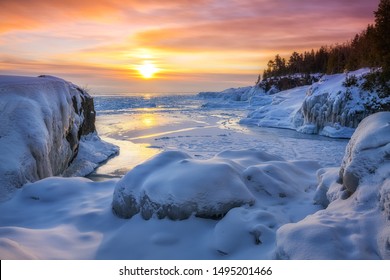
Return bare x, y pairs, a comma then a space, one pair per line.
147, 70
167, 46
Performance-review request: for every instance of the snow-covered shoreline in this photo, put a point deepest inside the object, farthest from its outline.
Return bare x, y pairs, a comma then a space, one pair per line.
330, 107
72, 218
236, 204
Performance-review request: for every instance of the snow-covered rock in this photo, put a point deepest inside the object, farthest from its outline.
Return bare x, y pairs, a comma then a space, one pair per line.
356, 222
174, 185
42, 120
368, 149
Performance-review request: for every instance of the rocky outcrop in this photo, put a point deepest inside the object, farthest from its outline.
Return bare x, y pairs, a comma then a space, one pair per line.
336, 104
42, 122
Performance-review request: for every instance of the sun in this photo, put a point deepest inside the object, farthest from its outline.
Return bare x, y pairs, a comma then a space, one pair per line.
147, 70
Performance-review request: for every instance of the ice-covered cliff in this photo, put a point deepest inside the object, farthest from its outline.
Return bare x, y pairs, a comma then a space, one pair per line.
336, 104
333, 106
43, 120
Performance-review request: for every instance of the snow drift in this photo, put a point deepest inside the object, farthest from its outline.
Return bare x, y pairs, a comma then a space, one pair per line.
355, 224
43, 120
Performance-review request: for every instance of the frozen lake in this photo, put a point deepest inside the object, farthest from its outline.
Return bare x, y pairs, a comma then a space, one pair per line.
145, 125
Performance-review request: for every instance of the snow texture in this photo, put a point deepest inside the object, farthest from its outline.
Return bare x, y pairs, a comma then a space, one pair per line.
355, 224
42, 121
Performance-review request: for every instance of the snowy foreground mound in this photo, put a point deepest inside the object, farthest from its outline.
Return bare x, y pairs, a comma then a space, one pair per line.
176, 186
355, 224
45, 123
333, 106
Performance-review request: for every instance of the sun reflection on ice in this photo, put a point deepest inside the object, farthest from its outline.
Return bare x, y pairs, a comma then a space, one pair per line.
148, 120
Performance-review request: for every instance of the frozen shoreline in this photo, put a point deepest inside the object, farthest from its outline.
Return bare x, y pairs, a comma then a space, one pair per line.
72, 218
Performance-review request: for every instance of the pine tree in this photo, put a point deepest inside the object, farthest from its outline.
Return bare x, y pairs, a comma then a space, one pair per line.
382, 26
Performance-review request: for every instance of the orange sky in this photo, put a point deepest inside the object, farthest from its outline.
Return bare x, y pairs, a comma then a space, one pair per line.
196, 45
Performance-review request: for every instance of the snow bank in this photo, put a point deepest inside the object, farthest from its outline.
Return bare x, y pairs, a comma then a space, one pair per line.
55, 218
355, 224
42, 121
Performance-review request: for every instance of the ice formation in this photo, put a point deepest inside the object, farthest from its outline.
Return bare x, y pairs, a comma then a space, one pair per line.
331, 107
42, 122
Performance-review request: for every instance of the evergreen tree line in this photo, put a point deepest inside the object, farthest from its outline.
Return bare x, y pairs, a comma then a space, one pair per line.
370, 48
